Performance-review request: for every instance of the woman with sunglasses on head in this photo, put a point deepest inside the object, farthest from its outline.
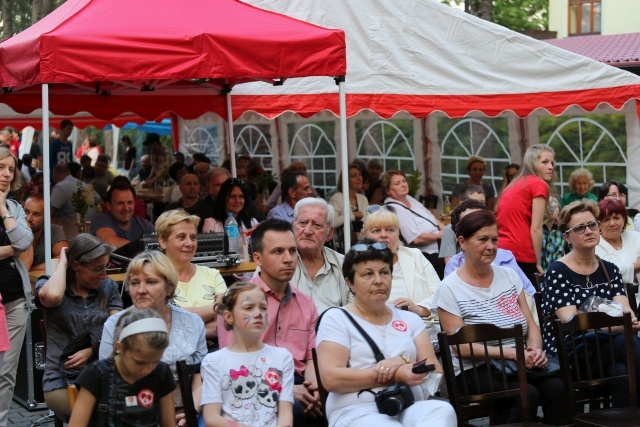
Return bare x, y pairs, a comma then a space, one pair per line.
358, 202
579, 275
346, 362
76, 300
418, 227
414, 281
617, 244
522, 207
480, 292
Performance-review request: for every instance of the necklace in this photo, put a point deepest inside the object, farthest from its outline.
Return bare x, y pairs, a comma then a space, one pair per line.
616, 247
383, 331
588, 284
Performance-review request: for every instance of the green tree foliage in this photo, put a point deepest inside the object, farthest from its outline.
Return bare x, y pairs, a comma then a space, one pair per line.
18, 15
517, 15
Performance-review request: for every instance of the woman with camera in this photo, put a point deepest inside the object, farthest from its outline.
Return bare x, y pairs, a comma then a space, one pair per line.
358, 202
362, 386
479, 292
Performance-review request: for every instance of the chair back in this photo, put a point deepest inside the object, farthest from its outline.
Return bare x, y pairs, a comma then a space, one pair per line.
321, 390
585, 347
474, 403
632, 289
542, 319
185, 381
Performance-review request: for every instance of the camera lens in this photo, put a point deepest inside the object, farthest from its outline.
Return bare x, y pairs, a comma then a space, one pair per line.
392, 406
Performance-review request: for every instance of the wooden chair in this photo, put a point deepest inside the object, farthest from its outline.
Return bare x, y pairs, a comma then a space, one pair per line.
590, 378
632, 289
185, 377
321, 390
472, 404
72, 392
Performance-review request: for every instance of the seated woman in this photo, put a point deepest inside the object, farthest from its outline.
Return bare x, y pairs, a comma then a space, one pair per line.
418, 227
151, 281
76, 300
580, 182
618, 191
580, 274
414, 281
475, 168
617, 244
480, 292
199, 287
231, 199
357, 202
346, 362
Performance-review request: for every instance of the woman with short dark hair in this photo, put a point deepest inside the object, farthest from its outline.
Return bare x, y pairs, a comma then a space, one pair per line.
479, 292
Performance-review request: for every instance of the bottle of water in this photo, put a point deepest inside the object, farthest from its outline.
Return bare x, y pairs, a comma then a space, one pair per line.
233, 234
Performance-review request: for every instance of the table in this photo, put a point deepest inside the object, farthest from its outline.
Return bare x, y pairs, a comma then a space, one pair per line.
243, 267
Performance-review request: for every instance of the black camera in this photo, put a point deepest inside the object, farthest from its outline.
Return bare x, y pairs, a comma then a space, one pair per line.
394, 399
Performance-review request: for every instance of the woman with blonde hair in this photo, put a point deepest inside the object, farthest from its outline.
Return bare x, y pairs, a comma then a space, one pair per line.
580, 182
199, 287
522, 206
151, 281
15, 287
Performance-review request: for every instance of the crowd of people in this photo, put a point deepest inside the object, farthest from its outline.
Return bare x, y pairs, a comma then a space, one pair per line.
255, 337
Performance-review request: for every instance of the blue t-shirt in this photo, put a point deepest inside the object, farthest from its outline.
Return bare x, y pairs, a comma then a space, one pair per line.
59, 153
138, 227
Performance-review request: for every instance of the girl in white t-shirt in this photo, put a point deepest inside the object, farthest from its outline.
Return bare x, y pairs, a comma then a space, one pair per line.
248, 383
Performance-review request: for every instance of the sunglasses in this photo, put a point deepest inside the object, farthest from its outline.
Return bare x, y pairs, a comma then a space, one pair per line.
363, 247
580, 229
236, 181
375, 208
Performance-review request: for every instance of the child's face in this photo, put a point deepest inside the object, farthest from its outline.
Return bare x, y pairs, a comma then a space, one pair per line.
137, 362
249, 314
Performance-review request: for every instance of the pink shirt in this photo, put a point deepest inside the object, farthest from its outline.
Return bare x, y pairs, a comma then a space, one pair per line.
292, 324
4, 332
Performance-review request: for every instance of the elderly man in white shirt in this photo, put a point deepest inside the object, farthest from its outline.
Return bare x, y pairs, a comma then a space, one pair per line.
319, 270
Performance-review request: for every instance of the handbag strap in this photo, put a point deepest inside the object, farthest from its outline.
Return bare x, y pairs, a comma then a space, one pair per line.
606, 273
376, 350
414, 212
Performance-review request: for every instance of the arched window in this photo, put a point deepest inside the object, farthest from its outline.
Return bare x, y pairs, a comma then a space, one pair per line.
203, 139
389, 141
311, 145
468, 137
597, 143
255, 141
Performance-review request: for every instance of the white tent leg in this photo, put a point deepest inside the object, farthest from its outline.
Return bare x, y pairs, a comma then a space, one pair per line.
47, 180
232, 144
115, 137
344, 154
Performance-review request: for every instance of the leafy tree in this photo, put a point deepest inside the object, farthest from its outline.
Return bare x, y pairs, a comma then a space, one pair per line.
517, 15
17, 15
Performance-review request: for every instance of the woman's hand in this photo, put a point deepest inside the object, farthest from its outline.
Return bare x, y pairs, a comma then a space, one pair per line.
63, 258
385, 370
405, 375
535, 358
3, 200
79, 359
401, 303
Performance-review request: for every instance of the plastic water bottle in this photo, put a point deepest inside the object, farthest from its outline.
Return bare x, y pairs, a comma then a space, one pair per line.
233, 234
447, 206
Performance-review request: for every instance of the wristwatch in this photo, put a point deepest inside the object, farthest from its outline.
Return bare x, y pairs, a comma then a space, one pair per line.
7, 216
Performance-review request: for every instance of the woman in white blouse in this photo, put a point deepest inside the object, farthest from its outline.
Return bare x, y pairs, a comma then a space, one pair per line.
414, 280
618, 245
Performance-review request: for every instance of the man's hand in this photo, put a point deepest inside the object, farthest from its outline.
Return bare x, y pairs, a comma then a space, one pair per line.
79, 359
311, 402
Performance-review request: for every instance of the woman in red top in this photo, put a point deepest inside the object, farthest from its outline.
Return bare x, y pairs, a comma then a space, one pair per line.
522, 206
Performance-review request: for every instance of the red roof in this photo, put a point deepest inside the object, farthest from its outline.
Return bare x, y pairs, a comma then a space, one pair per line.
619, 50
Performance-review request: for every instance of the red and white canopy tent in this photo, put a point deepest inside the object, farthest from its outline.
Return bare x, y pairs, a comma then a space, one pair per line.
149, 57
423, 59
